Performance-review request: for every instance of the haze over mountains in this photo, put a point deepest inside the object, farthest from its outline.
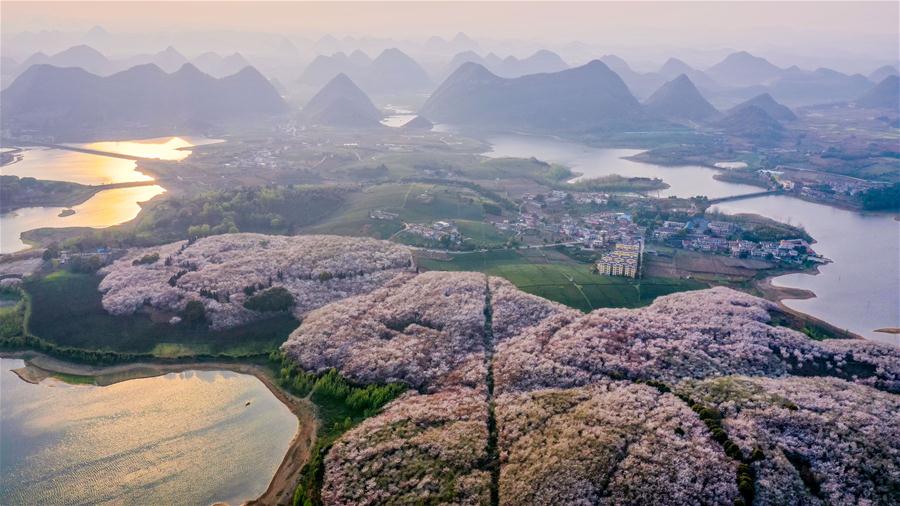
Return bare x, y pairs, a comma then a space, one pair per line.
885, 95
766, 103
542, 61
587, 98
539, 91
72, 103
95, 62
340, 103
392, 71
679, 99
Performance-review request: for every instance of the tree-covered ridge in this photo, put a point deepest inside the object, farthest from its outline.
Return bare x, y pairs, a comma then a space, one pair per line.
227, 272
276, 209
687, 335
886, 198
624, 406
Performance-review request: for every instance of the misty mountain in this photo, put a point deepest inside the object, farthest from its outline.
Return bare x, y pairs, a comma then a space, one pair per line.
324, 68
641, 85
743, 69
679, 99
217, 66
752, 123
768, 104
82, 56
342, 103
801, 87
587, 98
460, 42
169, 59
880, 73
885, 95
73, 103
360, 59
542, 61
393, 71
673, 67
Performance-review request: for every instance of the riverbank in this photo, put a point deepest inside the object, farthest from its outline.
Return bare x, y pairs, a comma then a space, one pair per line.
281, 488
816, 328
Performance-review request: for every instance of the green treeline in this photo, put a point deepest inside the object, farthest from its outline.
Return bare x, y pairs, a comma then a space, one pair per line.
341, 406
265, 209
881, 199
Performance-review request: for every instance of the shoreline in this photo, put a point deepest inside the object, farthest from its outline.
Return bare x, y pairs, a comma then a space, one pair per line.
281, 487
778, 294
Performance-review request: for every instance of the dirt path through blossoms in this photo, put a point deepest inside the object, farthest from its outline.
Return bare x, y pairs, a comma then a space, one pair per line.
281, 488
493, 452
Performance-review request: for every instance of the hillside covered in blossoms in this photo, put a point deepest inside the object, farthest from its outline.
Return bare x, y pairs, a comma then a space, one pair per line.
699, 398
225, 272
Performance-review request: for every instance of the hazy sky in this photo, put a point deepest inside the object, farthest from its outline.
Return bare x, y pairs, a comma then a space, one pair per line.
802, 27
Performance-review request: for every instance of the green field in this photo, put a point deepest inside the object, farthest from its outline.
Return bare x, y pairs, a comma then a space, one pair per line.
66, 311
555, 277
412, 202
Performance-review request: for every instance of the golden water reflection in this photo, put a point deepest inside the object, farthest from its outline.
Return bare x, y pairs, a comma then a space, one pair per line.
164, 148
62, 165
105, 209
186, 438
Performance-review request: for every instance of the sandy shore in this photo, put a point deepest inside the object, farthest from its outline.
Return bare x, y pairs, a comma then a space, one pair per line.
779, 293
281, 488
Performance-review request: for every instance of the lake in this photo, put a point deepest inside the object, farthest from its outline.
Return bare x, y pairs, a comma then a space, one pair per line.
182, 438
106, 208
859, 291
684, 181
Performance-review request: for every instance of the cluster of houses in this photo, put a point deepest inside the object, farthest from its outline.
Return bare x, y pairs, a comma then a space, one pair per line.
623, 260
380, 214
711, 237
441, 231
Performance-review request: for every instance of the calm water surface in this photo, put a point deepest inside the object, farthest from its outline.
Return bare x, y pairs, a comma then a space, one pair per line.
104, 209
860, 290
685, 181
186, 438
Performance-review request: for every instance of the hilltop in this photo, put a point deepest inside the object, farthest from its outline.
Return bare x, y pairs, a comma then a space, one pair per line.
698, 396
392, 71
679, 99
885, 95
72, 103
342, 103
768, 104
752, 123
587, 98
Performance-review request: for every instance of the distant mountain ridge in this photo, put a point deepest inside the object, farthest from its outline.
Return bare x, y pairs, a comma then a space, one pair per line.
73, 103
768, 104
582, 99
752, 123
542, 61
743, 69
341, 103
885, 95
679, 99
392, 71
